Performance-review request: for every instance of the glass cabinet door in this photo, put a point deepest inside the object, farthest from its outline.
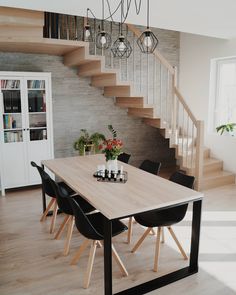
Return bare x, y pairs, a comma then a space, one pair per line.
37, 110
12, 110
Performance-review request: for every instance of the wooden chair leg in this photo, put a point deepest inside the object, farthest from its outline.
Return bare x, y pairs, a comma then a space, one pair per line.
152, 232
90, 264
163, 236
54, 217
137, 245
69, 235
80, 251
157, 251
177, 243
61, 228
44, 216
119, 262
130, 229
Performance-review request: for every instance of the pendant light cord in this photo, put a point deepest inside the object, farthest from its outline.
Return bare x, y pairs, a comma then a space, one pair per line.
147, 14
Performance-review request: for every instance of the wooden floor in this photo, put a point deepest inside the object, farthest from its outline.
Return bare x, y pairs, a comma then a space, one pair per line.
31, 261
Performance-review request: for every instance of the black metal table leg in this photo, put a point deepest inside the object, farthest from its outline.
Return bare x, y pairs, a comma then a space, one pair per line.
196, 225
181, 273
107, 257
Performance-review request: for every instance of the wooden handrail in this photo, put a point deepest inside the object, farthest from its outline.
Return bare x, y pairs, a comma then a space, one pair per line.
157, 53
187, 109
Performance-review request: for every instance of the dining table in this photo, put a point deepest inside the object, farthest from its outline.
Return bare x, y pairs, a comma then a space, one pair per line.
142, 192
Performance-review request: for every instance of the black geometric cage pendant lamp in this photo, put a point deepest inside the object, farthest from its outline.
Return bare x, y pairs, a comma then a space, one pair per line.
103, 39
121, 47
147, 41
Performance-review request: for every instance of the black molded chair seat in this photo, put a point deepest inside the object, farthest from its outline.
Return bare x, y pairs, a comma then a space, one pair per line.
96, 221
164, 217
150, 166
63, 201
91, 226
124, 158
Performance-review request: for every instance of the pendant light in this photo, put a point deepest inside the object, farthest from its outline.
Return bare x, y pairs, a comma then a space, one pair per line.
147, 41
103, 39
88, 37
121, 47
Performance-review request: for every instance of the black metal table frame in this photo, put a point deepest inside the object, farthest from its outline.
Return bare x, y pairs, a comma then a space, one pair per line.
163, 280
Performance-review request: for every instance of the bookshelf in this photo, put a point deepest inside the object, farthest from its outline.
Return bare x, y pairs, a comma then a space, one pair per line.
25, 126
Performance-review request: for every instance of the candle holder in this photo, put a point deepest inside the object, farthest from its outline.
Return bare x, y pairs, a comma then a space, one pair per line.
111, 176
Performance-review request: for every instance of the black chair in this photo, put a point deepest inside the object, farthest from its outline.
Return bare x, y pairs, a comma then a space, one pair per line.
151, 167
63, 202
165, 217
91, 227
124, 158
48, 190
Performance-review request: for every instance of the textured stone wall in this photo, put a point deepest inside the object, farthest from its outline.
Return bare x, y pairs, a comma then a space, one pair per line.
77, 105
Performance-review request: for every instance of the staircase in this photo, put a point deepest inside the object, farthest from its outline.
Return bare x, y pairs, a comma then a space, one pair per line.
154, 97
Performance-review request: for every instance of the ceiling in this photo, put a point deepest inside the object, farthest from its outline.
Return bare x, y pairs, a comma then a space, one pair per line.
215, 18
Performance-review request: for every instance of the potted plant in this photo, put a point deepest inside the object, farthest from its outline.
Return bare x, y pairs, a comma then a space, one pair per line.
226, 128
85, 143
112, 148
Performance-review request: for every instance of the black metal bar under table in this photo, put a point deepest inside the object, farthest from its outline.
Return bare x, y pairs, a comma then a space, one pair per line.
163, 280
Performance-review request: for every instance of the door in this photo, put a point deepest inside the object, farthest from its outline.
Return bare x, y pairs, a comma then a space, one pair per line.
37, 122
13, 137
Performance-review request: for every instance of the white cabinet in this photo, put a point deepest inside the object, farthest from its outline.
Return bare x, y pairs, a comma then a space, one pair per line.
25, 126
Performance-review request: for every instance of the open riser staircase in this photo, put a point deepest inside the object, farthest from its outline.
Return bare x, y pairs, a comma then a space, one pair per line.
145, 85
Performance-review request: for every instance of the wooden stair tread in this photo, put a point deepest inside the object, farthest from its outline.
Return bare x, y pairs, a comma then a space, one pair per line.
39, 45
221, 173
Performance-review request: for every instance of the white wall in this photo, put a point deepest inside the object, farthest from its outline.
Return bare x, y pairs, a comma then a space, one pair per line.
196, 53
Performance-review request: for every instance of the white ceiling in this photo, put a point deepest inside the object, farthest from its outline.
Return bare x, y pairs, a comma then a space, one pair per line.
215, 18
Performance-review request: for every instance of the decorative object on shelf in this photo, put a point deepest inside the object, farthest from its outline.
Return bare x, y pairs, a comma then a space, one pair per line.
228, 128
121, 47
147, 41
88, 143
103, 39
112, 148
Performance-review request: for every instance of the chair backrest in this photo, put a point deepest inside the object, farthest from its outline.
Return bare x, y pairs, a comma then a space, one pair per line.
150, 166
124, 158
62, 197
46, 184
82, 222
183, 179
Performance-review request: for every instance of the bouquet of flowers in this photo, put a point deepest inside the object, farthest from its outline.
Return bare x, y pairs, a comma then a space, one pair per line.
112, 148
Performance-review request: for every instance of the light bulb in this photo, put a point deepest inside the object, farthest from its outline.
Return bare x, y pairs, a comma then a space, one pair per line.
103, 40
121, 46
87, 33
147, 41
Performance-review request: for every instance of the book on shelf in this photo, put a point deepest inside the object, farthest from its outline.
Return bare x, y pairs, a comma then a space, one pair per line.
11, 101
12, 136
9, 121
13, 84
38, 84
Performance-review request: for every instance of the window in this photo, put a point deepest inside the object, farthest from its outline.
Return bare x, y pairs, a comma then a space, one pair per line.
225, 92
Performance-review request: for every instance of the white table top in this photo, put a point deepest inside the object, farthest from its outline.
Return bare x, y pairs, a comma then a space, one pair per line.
142, 192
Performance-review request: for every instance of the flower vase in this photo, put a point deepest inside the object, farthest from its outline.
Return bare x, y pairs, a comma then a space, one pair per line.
112, 165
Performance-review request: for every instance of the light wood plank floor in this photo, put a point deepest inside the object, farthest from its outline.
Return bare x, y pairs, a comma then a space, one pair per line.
31, 262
